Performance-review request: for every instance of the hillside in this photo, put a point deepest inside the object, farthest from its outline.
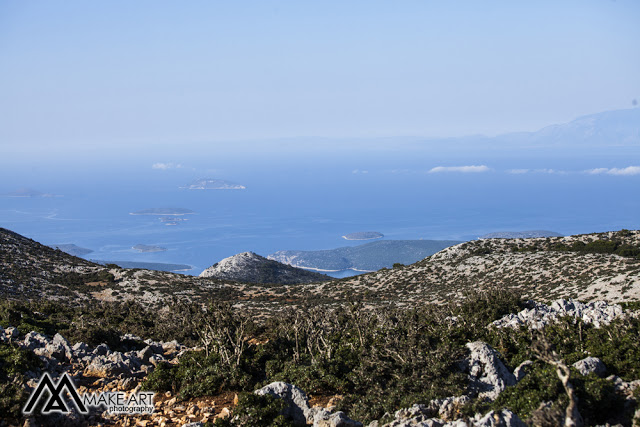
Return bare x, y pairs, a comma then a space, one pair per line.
367, 257
249, 267
588, 267
473, 350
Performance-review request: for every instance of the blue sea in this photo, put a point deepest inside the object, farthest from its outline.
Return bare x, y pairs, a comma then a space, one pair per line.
305, 196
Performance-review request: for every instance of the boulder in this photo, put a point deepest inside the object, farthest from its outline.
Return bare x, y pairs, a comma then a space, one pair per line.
297, 404
416, 415
590, 365
487, 374
101, 350
449, 408
324, 418
156, 347
59, 349
102, 367
145, 354
80, 349
35, 340
503, 418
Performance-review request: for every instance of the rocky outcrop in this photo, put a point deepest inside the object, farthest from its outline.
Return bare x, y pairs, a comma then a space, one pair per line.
297, 404
297, 407
487, 374
422, 415
591, 365
325, 418
597, 313
249, 267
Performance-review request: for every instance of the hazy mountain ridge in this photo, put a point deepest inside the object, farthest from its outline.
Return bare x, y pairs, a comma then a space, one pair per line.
608, 128
249, 267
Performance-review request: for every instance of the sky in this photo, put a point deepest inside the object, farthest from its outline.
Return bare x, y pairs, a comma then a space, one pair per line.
120, 73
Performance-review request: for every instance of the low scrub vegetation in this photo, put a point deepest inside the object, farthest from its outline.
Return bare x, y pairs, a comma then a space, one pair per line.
378, 359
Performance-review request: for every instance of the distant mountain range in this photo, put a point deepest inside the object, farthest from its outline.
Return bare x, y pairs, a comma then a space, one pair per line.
368, 257
617, 128
609, 128
249, 267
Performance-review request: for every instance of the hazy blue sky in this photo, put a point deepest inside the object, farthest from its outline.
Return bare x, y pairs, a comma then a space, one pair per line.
96, 72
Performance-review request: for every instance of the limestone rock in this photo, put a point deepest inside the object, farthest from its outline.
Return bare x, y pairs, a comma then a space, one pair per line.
487, 374
102, 367
598, 313
297, 404
504, 418
35, 340
591, 365
324, 418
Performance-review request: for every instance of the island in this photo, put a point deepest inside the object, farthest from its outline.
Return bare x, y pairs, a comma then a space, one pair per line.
213, 184
363, 235
163, 211
148, 248
28, 192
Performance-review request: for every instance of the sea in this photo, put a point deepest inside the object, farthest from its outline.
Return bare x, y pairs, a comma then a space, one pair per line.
306, 194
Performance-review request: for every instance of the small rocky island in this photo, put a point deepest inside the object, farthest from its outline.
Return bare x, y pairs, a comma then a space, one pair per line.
363, 235
213, 184
148, 248
163, 211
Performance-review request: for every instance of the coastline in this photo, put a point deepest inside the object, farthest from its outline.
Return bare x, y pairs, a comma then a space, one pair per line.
331, 271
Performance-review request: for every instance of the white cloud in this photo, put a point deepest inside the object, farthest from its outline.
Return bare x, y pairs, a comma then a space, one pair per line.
628, 171
518, 171
165, 166
355, 171
463, 169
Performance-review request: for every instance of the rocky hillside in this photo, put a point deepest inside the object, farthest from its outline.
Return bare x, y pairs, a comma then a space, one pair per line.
586, 267
249, 267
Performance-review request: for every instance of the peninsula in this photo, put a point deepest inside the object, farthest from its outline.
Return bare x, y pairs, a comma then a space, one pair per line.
148, 248
363, 235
